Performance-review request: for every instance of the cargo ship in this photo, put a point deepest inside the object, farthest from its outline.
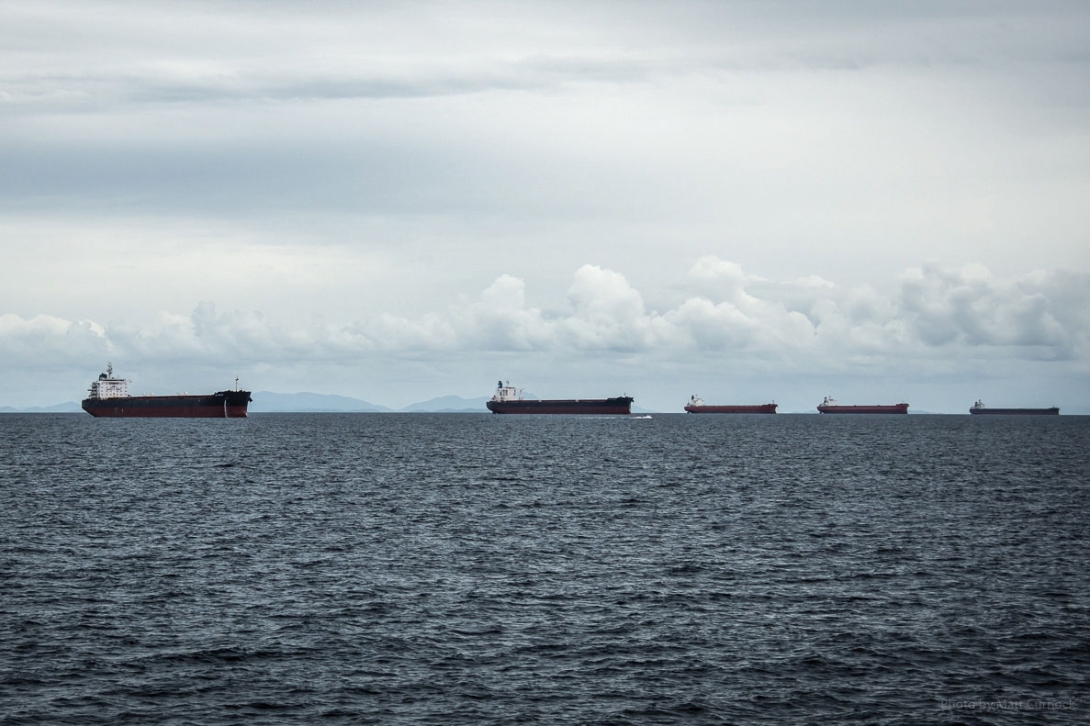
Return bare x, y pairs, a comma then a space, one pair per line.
109, 397
508, 399
697, 405
829, 405
980, 408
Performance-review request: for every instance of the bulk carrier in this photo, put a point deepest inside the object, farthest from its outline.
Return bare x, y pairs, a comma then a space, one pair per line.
829, 405
979, 408
508, 399
697, 405
109, 397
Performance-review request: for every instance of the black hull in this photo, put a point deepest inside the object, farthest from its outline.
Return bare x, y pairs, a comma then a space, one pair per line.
620, 406
224, 404
900, 408
705, 408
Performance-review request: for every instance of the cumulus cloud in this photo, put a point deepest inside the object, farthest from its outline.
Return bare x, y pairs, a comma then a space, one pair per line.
971, 308
935, 312
43, 340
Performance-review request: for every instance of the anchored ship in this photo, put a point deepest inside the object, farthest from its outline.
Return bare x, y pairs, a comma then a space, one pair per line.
508, 399
109, 397
980, 408
697, 405
829, 405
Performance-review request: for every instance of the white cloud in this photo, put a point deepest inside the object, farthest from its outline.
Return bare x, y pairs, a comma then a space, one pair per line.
500, 319
969, 308
43, 339
936, 311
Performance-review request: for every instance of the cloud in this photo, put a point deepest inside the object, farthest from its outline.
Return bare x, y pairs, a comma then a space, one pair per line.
43, 340
969, 308
290, 53
935, 312
607, 313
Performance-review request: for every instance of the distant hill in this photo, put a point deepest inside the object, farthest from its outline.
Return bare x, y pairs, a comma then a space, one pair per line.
270, 402
66, 407
449, 404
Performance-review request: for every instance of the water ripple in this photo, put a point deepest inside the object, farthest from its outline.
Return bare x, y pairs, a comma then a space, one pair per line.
491, 570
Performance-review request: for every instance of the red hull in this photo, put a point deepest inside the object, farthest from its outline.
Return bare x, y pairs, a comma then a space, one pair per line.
898, 408
762, 408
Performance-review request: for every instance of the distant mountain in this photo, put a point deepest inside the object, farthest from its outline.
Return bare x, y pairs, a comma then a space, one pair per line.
449, 404
270, 402
66, 407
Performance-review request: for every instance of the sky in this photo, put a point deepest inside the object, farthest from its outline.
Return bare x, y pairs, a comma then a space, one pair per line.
744, 200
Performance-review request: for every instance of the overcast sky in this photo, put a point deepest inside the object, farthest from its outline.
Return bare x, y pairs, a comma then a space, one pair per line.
747, 200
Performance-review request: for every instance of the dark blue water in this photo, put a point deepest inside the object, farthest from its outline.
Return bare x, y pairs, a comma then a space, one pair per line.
475, 569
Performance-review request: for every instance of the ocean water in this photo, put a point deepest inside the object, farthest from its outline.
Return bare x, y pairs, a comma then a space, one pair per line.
476, 569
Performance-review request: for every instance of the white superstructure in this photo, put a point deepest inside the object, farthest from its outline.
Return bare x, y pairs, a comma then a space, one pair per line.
109, 387
506, 392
